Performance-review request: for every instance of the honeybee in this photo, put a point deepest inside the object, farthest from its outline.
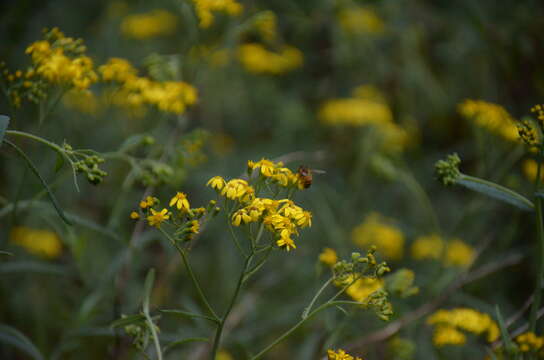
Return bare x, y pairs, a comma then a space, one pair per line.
305, 175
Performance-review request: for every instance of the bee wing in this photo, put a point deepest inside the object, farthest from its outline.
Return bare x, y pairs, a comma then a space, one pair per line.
318, 172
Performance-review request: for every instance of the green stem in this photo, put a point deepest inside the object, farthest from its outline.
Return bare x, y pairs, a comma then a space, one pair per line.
540, 238
309, 307
154, 335
293, 329
219, 330
191, 275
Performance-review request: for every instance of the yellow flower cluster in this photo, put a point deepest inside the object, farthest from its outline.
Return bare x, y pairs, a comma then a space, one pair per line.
255, 58
135, 91
367, 107
277, 173
61, 60
449, 323
530, 169
454, 252
363, 287
340, 355
377, 230
362, 109
529, 342
205, 8
43, 243
328, 257
149, 25
491, 117
283, 217
360, 20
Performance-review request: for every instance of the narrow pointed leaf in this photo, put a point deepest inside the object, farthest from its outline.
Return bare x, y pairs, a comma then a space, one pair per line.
44, 183
148, 287
13, 337
496, 191
506, 340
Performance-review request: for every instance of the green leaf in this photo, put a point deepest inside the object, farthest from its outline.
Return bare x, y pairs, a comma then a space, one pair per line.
128, 320
37, 267
4, 122
495, 191
44, 184
506, 340
186, 314
7, 253
148, 287
14, 337
183, 341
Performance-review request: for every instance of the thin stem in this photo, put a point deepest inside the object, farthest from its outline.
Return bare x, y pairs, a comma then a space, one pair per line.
154, 335
191, 275
540, 238
219, 331
293, 329
309, 307
235, 239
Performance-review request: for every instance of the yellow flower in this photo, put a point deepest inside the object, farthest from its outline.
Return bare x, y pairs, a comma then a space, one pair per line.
156, 217
328, 257
204, 9
377, 230
223, 355
427, 247
118, 70
530, 167
490, 116
285, 240
43, 243
448, 335
180, 201
236, 189
148, 25
461, 319
530, 342
241, 216
216, 182
363, 287
195, 227
134, 215
459, 253
82, 101
340, 355
360, 20
355, 112
148, 202
255, 58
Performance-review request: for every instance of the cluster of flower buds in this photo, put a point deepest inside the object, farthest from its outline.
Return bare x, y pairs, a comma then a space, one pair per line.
447, 171
89, 166
140, 333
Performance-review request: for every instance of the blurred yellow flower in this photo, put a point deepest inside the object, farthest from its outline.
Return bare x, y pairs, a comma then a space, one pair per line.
257, 59
360, 20
491, 117
449, 322
378, 230
354, 112
530, 168
223, 355
458, 253
340, 355
42, 243
363, 287
529, 342
135, 91
427, 247
328, 257
205, 8
266, 23
148, 25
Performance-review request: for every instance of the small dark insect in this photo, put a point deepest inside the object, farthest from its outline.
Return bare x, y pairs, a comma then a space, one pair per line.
306, 175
